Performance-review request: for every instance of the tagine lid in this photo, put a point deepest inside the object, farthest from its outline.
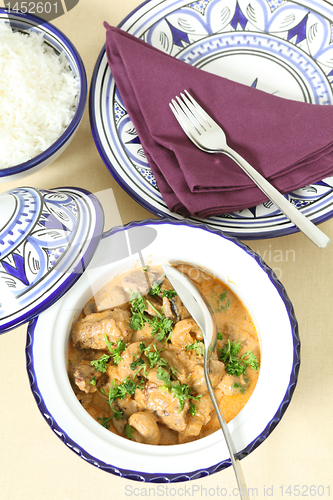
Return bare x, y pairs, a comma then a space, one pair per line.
47, 238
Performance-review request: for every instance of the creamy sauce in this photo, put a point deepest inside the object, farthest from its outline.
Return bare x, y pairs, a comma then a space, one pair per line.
136, 358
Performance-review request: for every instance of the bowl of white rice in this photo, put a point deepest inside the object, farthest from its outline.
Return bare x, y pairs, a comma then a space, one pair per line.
43, 92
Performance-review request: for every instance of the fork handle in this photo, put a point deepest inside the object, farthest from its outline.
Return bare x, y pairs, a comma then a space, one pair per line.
301, 221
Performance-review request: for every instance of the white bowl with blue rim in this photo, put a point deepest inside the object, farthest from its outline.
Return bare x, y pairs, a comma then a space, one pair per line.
53, 37
75, 281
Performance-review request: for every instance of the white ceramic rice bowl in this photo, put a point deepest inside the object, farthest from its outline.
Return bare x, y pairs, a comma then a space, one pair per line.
246, 274
61, 44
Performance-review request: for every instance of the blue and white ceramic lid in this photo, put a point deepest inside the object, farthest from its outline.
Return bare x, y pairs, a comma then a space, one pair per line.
47, 238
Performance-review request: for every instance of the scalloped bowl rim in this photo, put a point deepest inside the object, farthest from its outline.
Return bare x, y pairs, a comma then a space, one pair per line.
83, 93
80, 432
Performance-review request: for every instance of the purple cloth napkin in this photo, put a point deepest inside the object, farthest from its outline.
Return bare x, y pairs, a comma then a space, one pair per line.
288, 142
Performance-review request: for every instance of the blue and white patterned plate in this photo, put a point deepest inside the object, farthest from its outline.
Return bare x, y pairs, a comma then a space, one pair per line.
278, 46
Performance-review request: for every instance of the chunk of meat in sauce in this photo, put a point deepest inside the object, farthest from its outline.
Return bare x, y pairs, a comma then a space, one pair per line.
168, 436
90, 307
98, 407
144, 334
229, 384
88, 332
152, 376
178, 308
248, 342
128, 356
181, 333
86, 377
216, 373
140, 399
139, 281
166, 406
120, 425
204, 407
127, 405
123, 369
170, 356
154, 306
145, 424
110, 297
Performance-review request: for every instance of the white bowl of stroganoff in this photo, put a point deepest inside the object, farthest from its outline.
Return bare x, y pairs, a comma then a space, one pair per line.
44, 89
143, 245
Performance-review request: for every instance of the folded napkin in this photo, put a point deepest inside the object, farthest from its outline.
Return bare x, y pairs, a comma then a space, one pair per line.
288, 142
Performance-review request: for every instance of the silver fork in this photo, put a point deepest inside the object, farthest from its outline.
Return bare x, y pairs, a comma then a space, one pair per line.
208, 136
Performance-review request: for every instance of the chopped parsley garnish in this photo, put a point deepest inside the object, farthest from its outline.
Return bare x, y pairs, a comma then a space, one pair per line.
169, 294
154, 358
242, 388
156, 290
129, 431
223, 303
115, 352
197, 346
100, 364
120, 391
161, 327
164, 376
219, 336
117, 414
229, 356
142, 346
104, 422
183, 392
160, 324
93, 380
137, 362
180, 391
138, 307
250, 360
193, 409
127, 386
153, 355
235, 365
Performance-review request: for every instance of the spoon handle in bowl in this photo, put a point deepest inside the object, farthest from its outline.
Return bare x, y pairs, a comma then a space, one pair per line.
199, 309
242, 488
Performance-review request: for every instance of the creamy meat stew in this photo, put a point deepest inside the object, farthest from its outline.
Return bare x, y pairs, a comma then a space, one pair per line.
136, 358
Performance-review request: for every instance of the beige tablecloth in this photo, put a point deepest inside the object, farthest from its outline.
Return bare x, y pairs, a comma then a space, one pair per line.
298, 455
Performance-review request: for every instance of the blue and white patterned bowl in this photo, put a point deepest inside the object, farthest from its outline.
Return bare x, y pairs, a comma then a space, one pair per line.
61, 44
246, 274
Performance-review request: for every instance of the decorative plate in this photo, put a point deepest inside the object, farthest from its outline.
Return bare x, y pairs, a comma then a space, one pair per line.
47, 238
278, 46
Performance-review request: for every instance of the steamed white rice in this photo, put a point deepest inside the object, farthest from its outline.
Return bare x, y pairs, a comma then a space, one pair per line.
38, 94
